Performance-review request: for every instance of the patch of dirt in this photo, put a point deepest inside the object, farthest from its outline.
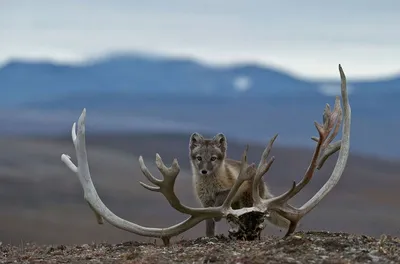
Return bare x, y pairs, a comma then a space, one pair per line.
302, 247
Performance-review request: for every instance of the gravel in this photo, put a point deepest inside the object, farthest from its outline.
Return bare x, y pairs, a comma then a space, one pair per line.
302, 247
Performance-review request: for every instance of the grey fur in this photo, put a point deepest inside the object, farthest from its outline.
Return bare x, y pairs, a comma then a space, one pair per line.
214, 174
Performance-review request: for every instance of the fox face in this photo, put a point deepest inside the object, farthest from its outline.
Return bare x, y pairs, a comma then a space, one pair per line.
207, 155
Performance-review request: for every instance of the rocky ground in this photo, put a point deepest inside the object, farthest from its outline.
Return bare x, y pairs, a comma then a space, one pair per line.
303, 247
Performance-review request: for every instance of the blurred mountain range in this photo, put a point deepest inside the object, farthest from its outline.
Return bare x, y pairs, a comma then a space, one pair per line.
139, 75
133, 75
249, 102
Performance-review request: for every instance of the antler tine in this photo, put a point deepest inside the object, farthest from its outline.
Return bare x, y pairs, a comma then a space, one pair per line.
164, 186
334, 120
331, 120
262, 169
279, 204
244, 175
169, 174
311, 168
73, 134
329, 151
149, 176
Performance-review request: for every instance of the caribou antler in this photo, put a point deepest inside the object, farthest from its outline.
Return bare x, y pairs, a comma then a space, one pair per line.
277, 204
165, 186
327, 132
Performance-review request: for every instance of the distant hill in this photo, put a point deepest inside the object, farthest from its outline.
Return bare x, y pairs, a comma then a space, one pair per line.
43, 81
135, 74
131, 92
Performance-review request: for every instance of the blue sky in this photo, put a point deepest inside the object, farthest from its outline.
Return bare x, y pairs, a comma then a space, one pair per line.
308, 38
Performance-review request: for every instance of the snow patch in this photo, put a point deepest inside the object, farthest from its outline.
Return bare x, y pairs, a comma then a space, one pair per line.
242, 83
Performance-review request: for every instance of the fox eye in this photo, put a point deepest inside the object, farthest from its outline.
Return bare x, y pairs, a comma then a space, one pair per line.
213, 158
198, 158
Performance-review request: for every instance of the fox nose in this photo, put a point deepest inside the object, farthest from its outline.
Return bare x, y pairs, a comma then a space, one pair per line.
204, 172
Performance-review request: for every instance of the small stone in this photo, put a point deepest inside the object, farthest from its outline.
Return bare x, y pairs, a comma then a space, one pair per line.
85, 246
61, 247
373, 257
210, 259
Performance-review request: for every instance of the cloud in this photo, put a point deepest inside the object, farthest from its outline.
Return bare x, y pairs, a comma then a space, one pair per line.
308, 39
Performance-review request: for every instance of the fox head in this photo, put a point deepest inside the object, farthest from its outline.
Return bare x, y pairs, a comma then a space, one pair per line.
207, 155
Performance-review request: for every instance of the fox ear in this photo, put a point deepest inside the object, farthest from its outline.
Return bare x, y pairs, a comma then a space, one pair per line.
195, 139
220, 140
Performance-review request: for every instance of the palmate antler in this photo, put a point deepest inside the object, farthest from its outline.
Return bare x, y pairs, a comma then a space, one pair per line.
277, 204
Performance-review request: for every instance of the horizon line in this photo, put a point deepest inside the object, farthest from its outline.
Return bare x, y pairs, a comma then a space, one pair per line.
95, 58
